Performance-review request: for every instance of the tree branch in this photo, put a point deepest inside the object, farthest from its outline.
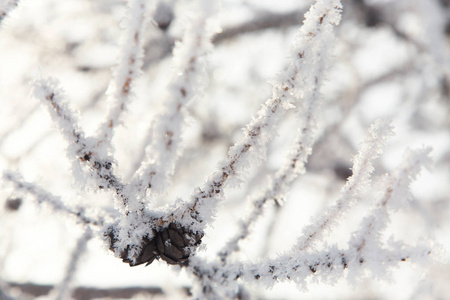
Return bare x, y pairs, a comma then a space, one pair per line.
128, 68
54, 202
356, 184
288, 91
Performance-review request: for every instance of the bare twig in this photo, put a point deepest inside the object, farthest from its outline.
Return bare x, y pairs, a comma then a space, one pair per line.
88, 293
260, 23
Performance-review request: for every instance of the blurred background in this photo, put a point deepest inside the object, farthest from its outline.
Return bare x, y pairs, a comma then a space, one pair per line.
391, 61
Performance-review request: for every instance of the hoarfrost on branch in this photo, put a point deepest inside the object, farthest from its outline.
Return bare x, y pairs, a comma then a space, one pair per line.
157, 205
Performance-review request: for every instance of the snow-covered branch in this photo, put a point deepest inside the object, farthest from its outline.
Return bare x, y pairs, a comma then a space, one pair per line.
129, 66
188, 79
172, 199
300, 263
325, 266
301, 147
133, 226
6, 6
353, 189
288, 91
396, 192
81, 149
54, 202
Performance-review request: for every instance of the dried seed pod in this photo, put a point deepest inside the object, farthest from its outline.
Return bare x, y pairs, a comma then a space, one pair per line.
171, 243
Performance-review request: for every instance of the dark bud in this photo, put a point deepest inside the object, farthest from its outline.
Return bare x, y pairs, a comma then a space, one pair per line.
342, 171
171, 244
84, 69
373, 17
13, 204
163, 15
